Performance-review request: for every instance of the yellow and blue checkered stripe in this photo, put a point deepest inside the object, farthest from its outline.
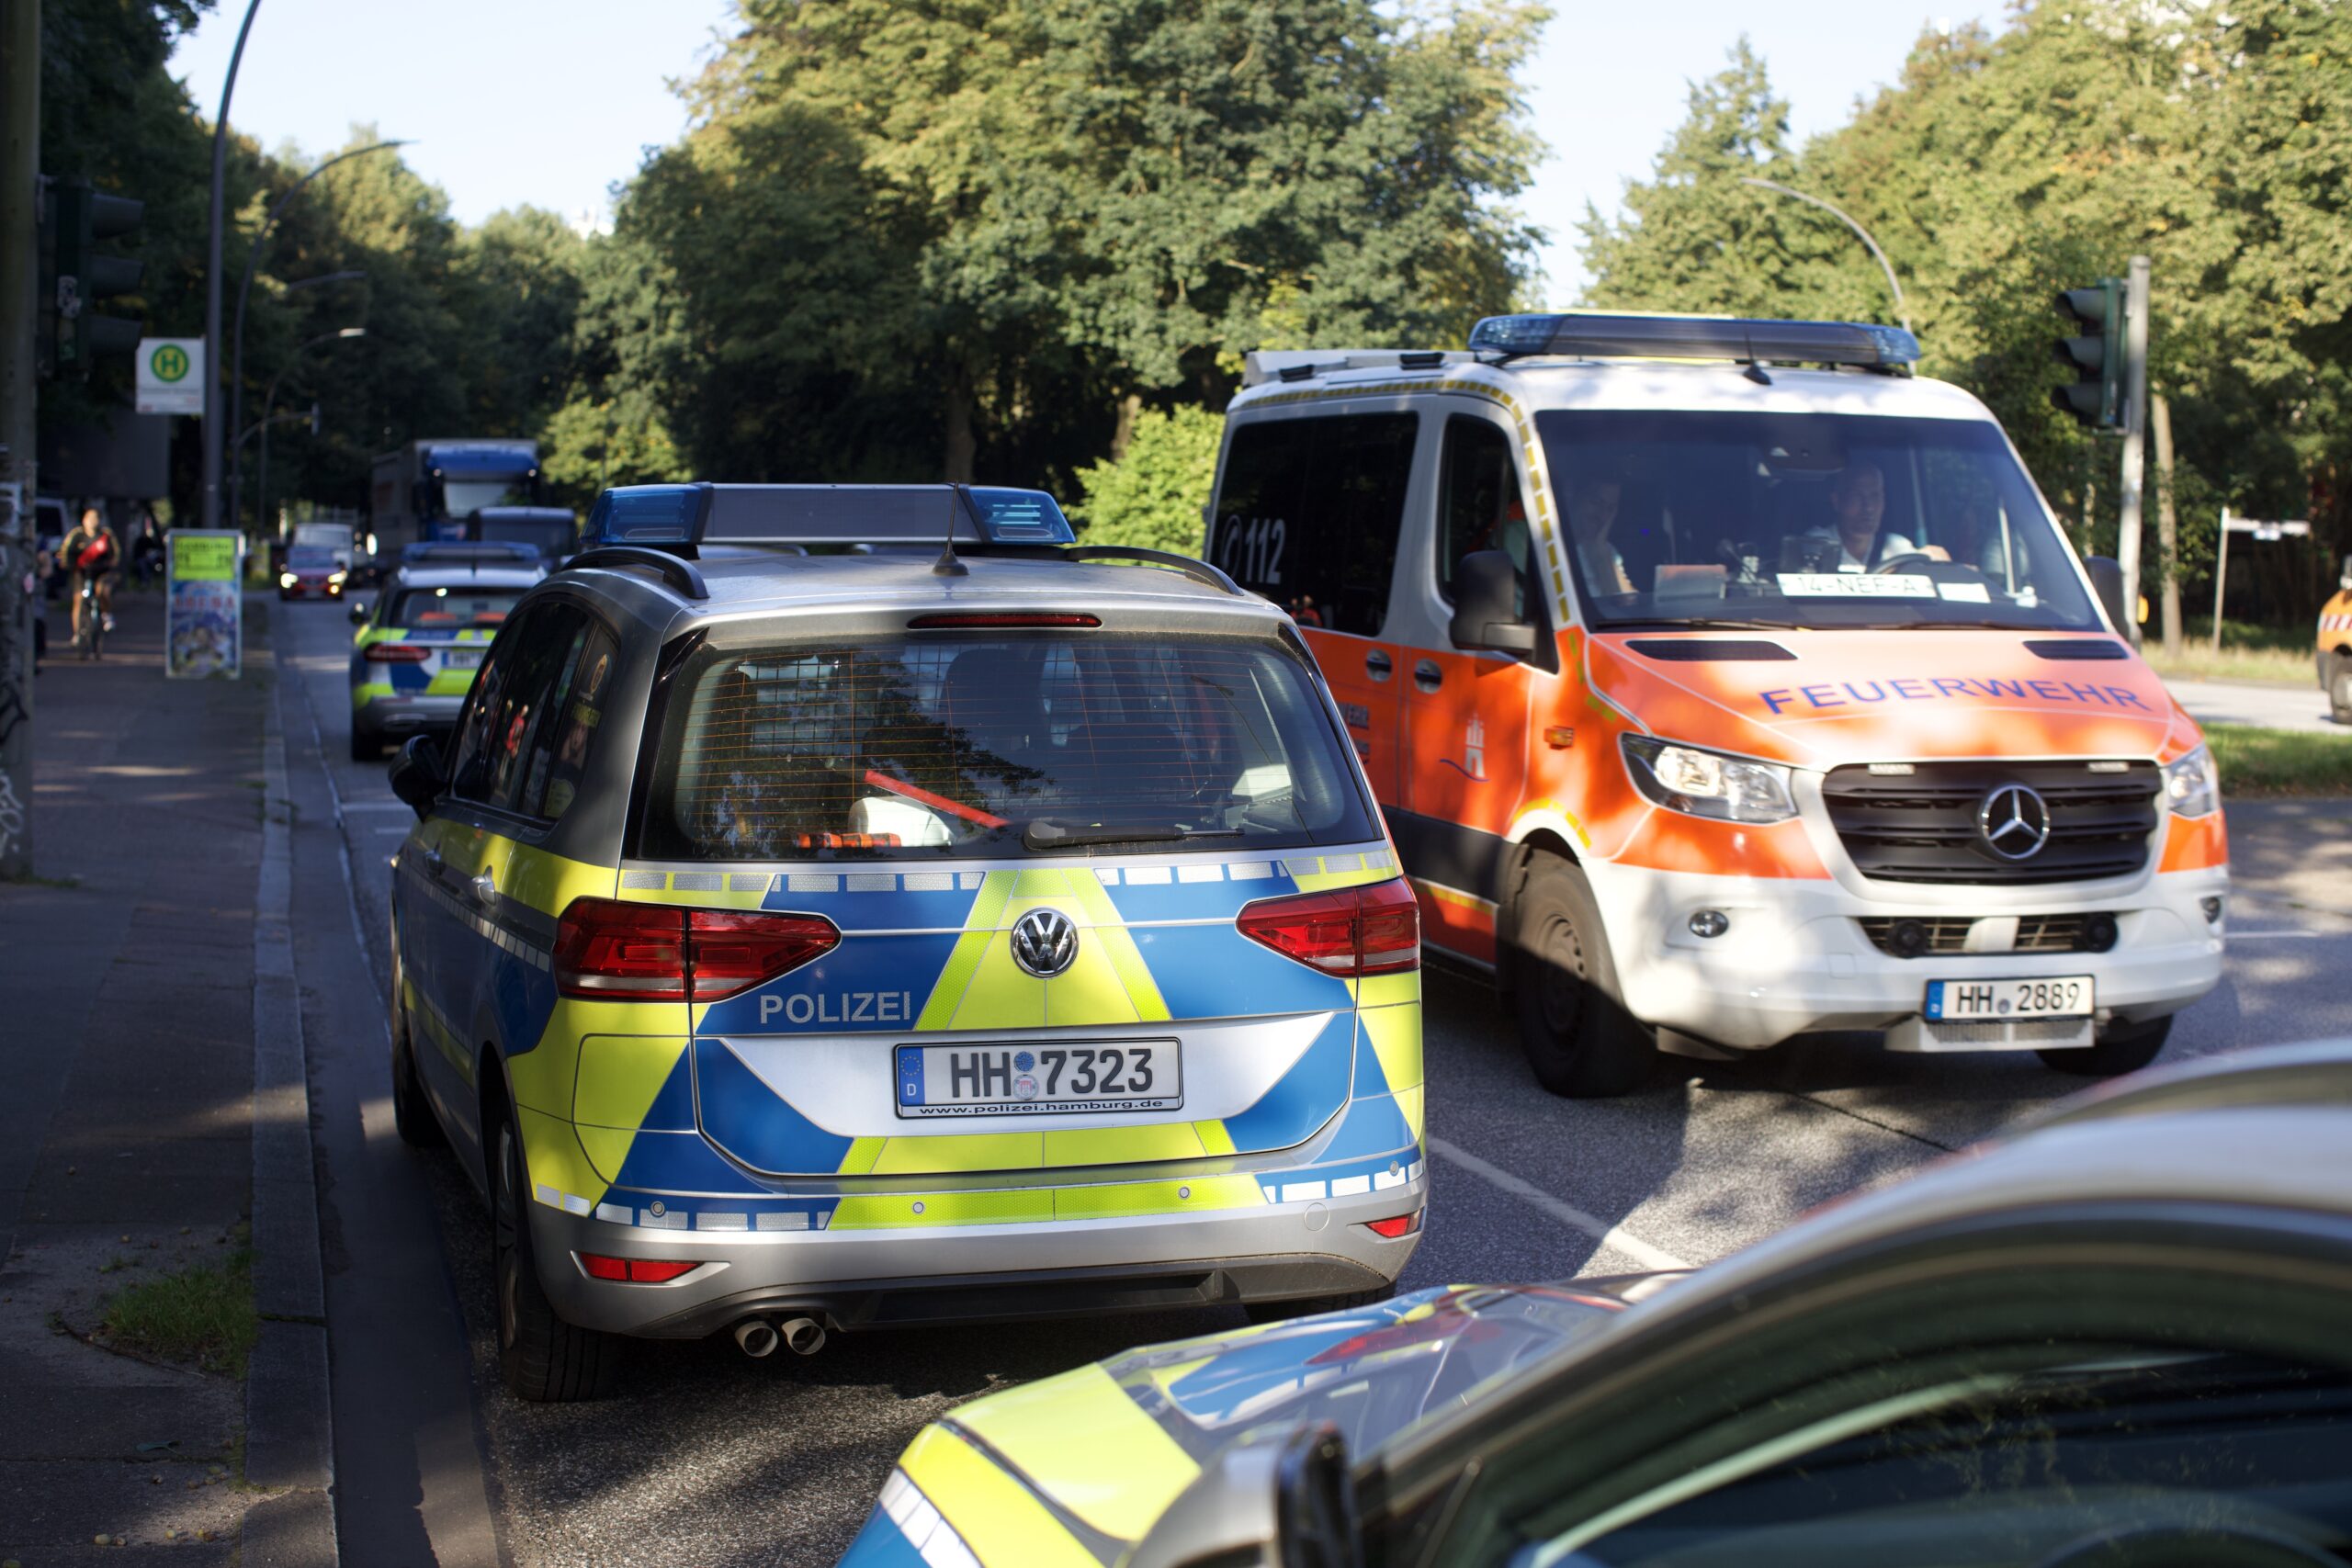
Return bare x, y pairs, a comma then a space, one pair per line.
430, 678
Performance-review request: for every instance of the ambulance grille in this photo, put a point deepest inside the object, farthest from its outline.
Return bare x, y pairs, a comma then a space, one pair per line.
1947, 934
1920, 826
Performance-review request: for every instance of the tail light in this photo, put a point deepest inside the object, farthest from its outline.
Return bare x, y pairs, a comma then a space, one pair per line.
1396, 1228
656, 953
395, 653
1351, 932
636, 1270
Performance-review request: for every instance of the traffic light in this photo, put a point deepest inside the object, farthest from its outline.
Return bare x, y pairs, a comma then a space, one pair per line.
75, 274
2095, 355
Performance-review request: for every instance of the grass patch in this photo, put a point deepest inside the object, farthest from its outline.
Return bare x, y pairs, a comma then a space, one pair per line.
2255, 762
30, 880
2197, 661
203, 1313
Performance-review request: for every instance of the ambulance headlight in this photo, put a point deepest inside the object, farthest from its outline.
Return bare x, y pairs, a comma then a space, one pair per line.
2191, 783
1708, 783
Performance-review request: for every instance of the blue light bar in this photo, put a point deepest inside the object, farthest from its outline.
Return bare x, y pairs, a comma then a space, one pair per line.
1579, 334
825, 514
427, 552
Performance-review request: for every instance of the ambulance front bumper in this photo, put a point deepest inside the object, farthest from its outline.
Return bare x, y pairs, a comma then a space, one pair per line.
850, 1280
1795, 959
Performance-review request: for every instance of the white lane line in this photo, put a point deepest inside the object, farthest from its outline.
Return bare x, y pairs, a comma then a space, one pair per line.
1615, 1237
2273, 936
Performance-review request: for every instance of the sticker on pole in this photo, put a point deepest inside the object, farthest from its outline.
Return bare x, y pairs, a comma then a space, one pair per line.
204, 627
170, 375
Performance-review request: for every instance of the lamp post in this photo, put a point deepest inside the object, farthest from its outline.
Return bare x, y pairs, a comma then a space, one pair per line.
269, 402
237, 385
1901, 314
213, 434
245, 288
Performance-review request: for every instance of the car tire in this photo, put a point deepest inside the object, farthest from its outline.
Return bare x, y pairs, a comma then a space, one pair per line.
366, 746
541, 1357
1579, 1040
2339, 688
1308, 1306
412, 1115
2121, 1048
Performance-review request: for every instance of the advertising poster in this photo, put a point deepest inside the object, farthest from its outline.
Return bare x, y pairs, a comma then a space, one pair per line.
203, 630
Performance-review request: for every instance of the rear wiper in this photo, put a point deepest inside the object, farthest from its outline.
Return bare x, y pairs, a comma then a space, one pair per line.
1046, 833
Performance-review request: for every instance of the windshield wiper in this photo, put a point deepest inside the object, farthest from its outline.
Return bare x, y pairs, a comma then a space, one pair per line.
1697, 623
1046, 833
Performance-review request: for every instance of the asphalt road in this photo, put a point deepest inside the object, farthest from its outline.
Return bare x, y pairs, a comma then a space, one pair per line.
2244, 702
708, 1458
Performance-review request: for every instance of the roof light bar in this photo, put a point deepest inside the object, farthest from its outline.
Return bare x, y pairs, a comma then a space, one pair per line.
825, 514
1590, 335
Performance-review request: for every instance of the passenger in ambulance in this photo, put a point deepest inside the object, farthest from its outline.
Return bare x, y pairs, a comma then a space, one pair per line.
1857, 506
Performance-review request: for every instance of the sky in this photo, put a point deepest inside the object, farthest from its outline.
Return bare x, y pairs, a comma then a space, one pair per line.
550, 102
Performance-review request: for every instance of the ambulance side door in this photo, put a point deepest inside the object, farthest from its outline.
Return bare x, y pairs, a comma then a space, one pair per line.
1309, 512
1466, 714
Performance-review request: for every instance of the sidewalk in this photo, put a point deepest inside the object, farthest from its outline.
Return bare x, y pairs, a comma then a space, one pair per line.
127, 984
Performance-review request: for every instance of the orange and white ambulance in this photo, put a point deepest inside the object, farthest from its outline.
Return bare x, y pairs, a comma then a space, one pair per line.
2334, 647
1723, 681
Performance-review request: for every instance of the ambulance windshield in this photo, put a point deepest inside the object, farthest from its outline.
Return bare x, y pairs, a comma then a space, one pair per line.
1690, 518
1005, 746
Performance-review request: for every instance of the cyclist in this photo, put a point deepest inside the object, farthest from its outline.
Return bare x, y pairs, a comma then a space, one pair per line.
90, 553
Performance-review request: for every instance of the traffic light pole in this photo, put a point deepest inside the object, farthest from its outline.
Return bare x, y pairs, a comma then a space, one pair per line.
19, 314
2135, 434
213, 435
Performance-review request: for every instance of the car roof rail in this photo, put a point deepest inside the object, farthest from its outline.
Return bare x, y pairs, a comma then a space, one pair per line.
1197, 570
1594, 335
674, 570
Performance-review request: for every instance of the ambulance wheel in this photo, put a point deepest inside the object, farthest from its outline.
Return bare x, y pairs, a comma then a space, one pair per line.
2339, 688
1579, 1037
412, 1115
540, 1356
1308, 1306
2121, 1048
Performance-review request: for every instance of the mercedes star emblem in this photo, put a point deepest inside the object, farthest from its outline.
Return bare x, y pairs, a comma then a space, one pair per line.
1043, 942
2013, 822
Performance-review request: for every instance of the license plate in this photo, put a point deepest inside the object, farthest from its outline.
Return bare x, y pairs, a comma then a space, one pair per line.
461, 659
2065, 995
1039, 1081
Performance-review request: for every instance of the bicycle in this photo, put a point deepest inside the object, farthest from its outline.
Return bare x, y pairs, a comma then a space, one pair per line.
90, 628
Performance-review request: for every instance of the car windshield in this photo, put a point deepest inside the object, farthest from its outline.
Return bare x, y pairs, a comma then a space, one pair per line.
309, 557
474, 491
424, 609
1681, 518
549, 537
955, 745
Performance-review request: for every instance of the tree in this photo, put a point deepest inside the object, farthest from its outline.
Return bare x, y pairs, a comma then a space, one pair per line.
1153, 495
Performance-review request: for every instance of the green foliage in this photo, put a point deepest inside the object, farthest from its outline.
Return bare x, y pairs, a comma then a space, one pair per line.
203, 1313
2256, 762
2001, 168
1152, 496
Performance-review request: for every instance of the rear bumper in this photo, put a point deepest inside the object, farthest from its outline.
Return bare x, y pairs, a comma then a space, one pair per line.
406, 714
1796, 960
865, 1278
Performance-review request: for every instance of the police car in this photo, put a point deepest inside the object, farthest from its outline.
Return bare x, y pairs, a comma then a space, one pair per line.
417, 647
848, 907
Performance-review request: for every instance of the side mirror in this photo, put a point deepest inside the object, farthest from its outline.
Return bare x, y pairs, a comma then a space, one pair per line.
1485, 605
358, 612
418, 776
1285, 1499
2107, 581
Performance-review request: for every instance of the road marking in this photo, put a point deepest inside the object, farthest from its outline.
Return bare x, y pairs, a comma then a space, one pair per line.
1615, 1237
376, 805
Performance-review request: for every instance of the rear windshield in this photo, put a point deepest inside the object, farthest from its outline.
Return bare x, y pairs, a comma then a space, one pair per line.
425, 608
951, 746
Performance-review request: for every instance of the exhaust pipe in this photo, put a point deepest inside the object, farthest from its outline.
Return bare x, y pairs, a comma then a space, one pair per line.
804, 1336
755, 1337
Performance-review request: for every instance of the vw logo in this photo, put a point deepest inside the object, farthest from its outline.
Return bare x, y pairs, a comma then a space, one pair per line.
1043, 942
2013, 822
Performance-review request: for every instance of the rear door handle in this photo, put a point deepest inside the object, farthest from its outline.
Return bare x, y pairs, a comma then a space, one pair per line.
1376, 665
1426, 675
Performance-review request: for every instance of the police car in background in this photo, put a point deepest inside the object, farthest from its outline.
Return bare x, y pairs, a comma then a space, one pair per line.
810, 929
417, 647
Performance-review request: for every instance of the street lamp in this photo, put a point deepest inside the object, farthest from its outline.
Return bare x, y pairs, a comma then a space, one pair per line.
211, 498
269, 402
245, 292
237, 394
1893, 287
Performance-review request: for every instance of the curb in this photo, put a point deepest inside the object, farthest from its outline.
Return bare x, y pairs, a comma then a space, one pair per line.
290, 1443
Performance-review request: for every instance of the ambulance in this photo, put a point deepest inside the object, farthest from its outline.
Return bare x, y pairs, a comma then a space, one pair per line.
1722, 682
2335, 651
